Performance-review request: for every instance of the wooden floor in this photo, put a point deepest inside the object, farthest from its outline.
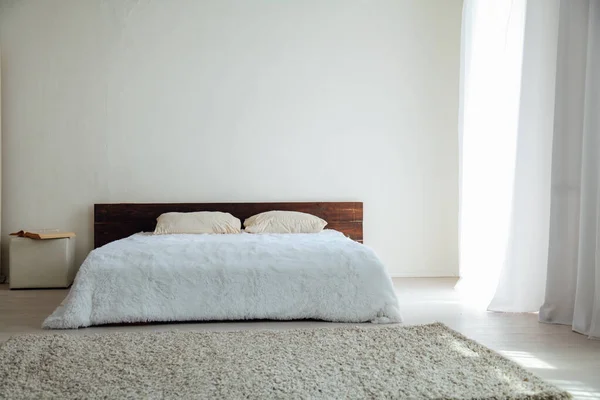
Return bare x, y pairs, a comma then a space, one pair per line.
565, 358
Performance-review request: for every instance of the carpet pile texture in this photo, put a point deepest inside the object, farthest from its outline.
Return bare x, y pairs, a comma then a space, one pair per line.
415, 362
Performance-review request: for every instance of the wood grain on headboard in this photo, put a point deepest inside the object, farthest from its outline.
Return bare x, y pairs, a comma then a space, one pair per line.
117, 221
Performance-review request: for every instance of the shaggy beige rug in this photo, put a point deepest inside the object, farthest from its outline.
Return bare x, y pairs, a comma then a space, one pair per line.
417, 362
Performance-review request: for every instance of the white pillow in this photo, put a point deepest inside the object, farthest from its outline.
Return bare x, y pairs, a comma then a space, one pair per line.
284, 222
197, 222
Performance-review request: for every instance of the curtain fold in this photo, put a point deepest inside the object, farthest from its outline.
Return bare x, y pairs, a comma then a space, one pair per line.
573, 284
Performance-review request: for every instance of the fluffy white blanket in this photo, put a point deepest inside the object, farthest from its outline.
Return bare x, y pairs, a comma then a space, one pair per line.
229, 277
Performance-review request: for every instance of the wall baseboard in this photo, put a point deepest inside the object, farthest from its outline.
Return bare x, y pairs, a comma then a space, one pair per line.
423, 274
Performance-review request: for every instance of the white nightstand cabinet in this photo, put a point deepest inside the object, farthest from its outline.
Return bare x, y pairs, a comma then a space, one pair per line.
41, 263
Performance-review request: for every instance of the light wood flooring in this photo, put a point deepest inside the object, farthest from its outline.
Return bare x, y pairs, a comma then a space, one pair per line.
554, 352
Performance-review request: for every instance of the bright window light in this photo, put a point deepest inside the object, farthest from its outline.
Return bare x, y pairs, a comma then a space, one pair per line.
493, 50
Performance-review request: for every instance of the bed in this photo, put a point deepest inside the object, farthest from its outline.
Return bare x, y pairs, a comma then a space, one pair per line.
133, 276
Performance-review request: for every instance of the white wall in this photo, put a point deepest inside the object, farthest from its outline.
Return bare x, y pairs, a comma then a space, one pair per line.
236, 100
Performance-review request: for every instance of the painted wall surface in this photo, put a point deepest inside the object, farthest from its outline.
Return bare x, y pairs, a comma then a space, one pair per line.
235, 100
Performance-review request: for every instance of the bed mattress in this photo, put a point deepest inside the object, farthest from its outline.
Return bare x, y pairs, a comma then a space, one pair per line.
146, 277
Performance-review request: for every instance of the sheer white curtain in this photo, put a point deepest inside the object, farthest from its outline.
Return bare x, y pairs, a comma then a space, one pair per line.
490, 85
522, 279
530, 201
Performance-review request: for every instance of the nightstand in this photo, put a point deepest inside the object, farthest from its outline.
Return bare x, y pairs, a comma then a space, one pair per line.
41, 263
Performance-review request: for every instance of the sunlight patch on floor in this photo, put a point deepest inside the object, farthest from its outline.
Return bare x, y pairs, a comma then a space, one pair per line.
577, 389
526, 359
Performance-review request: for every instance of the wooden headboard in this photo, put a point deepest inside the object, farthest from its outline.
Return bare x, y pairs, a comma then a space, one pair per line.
117, 221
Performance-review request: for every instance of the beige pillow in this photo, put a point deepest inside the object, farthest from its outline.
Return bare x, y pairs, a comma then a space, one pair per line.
197, 222
284, 222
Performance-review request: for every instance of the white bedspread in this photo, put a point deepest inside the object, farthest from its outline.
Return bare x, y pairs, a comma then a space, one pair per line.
229, 277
